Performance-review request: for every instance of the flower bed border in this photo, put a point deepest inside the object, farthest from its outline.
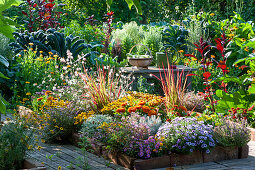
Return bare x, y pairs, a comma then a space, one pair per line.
217, 154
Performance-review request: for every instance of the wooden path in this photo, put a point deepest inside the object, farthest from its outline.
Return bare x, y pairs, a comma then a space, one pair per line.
53, 156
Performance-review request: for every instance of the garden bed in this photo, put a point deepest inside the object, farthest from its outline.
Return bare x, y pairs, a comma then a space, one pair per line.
217, 154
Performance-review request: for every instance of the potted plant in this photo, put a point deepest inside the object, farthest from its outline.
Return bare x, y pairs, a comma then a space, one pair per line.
140, 61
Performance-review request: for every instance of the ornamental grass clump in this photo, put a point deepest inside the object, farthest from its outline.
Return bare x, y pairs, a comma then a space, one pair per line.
185, 135
194, 102
173, 86
102, 87
230, 134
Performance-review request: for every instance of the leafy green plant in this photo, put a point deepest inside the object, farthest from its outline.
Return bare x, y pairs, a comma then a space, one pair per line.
90, 33
175, 36
143, 86
50, 41
106, 60
244, 96
6, 28
35, 74
3, 102
6, 24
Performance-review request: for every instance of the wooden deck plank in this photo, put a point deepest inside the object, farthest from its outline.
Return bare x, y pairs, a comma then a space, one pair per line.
68, 156
94, 157
54, 163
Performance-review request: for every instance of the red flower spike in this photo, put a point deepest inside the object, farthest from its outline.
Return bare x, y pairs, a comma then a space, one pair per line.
206, 75
222, 65
191, 75
190, 55
23, 12
250, 109
243, 66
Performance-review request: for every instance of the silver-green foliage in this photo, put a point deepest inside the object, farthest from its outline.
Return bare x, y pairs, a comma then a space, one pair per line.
132, 34
153, 123
153, 39
89, 127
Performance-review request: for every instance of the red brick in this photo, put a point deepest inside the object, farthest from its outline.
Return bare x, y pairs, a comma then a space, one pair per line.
186, 159
157, 162
243, 152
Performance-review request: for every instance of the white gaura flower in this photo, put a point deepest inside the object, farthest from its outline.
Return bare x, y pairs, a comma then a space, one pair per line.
62, 60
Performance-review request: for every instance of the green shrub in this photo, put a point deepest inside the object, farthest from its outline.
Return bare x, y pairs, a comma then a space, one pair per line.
91, 34
15, 139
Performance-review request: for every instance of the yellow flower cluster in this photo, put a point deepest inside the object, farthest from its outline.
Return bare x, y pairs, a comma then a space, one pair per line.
53, 102
106, 126
209, 118
82, 116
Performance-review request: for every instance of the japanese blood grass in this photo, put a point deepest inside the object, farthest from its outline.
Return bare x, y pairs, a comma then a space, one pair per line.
174, 86
103, 86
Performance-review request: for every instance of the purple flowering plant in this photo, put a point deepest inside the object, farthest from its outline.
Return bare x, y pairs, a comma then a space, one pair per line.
185, 135
130, 136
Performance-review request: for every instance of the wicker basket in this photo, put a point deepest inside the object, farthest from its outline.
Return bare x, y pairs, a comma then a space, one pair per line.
142, 61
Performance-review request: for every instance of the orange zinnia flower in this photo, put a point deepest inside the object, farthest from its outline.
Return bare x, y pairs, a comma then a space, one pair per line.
131, 109
51, 98
152, 112
121, 110
141, 103
145, 109
138, 107
124, 104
